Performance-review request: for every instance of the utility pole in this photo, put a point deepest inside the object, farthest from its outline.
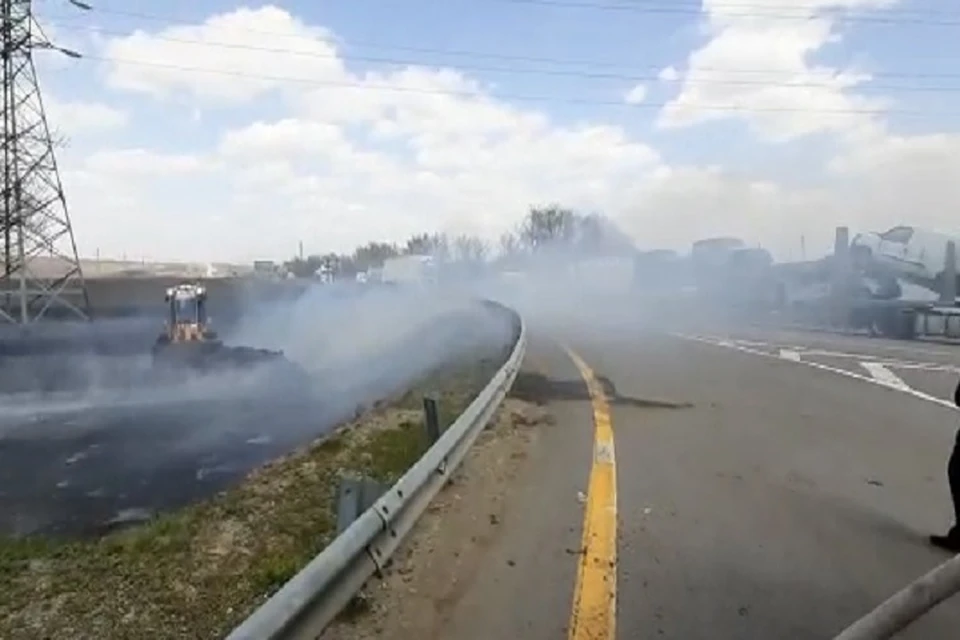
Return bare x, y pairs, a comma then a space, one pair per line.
34, 222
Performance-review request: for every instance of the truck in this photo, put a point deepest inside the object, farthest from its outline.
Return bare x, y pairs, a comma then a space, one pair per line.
409, 270
911, 253
708, 257
924, 260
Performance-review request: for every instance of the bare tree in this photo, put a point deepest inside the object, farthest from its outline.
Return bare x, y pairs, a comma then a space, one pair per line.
510, 246
468, 248
428, 244
549, 225
373, 255
598, 235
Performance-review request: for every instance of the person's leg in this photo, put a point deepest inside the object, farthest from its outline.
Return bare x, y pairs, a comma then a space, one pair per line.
951, 541
953, 477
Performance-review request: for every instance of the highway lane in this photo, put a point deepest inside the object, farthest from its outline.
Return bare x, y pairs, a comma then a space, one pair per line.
925, 369
785, 502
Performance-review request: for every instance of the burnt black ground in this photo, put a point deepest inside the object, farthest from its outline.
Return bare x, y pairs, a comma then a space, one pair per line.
75, 473
77, 463
71, 464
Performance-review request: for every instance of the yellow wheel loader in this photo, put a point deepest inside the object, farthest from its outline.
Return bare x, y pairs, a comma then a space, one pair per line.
187, 339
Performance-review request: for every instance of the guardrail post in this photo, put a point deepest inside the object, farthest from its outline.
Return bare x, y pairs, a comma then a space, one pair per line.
431, 418
354, 496
348, 503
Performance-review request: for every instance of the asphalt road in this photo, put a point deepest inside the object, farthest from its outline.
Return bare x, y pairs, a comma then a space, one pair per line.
785, 501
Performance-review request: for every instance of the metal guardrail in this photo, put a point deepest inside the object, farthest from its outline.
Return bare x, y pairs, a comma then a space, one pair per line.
907, 605
306, 604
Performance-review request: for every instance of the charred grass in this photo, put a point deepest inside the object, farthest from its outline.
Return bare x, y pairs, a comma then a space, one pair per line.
198, 572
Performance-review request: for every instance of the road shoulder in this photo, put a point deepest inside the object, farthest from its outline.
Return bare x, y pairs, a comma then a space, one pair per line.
480, 561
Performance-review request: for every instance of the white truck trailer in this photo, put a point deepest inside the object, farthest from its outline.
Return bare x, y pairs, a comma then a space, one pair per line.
410, 270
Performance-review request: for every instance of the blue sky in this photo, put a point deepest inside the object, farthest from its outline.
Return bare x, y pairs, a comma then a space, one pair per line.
631, 46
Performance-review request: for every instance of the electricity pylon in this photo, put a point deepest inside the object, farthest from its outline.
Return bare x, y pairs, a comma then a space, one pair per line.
34, 223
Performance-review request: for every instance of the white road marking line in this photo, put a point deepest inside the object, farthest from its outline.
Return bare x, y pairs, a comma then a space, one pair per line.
884, 344
921, 348
887, 362
753, 343
801, 351
790, 354
884, 375
921, 366
877, 358
816, 365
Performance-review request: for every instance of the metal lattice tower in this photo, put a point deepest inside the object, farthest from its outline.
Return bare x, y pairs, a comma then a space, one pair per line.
34, 223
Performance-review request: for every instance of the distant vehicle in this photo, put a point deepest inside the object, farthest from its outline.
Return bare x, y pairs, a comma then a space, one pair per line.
324, 274
709, 258
419, 270
745, 268
264, 266
750, 279
661, 270
909, 252
714, 251
749, 261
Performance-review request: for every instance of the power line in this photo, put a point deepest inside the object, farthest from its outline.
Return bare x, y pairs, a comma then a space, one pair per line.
750, 11
519, 98
759, 12
805, 7
462, 53
597, 75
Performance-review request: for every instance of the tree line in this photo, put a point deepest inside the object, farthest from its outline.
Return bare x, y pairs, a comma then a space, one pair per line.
544, 231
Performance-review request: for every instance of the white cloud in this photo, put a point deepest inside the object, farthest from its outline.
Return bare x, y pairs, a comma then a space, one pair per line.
683, 204
668, 74
792, 96
636, 95
288, 138
266, 42
143, 163
387, 153
380, 154
899, 179
76, 118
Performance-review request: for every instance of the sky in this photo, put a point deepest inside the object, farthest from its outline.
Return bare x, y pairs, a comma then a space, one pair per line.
212, 131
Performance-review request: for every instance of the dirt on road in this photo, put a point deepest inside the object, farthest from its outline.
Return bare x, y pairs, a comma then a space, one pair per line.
436, 565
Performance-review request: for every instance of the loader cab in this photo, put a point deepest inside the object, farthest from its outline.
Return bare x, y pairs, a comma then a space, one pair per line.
186, 310
187, 313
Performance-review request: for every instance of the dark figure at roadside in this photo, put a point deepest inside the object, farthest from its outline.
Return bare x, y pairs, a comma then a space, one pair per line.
951, 541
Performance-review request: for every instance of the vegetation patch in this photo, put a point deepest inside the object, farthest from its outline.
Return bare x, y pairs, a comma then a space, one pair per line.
198, 572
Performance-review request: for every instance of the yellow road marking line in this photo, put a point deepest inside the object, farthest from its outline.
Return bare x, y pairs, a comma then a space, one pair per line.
594, 614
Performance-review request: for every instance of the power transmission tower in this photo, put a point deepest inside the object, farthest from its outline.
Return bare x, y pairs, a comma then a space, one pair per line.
34, 222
